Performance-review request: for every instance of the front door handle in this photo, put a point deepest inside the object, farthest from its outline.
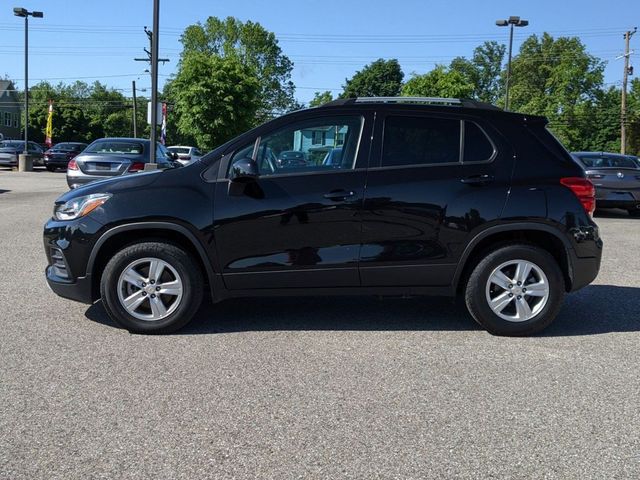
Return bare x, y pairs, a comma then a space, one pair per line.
338, 195
477, 180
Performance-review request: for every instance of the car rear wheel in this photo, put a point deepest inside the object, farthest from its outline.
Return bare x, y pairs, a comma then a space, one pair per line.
151, 287
51, 168
515, 290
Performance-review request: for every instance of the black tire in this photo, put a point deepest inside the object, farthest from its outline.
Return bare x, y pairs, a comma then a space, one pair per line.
51, 168
634, 212
190, 275
476, 288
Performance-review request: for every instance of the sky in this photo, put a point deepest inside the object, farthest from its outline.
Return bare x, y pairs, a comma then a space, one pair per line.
328, 41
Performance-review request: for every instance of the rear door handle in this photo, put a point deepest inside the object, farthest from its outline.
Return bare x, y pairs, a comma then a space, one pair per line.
478, 179
338, 195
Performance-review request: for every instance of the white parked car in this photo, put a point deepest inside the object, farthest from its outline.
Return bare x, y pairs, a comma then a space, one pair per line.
186, 155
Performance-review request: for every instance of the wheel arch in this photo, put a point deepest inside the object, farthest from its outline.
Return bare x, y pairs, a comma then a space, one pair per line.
122, 235
540, 235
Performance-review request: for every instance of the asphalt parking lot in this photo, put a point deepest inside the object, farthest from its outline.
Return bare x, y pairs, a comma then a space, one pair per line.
312, 388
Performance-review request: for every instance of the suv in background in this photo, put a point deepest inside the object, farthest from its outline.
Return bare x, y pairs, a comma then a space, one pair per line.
430, 197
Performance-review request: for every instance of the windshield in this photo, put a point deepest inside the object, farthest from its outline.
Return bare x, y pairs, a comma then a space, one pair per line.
179, 149
604, 161
114, 146
74, 147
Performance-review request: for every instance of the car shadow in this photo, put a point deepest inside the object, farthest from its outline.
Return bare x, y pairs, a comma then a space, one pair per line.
596, 309
4, 191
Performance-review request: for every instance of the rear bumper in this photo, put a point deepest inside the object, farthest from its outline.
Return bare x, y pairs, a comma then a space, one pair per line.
584, 271
625, 204
56, 162
78, 290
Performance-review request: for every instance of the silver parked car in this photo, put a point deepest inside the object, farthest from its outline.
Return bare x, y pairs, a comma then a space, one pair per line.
10, 149
110, 157
186, 155
616, 178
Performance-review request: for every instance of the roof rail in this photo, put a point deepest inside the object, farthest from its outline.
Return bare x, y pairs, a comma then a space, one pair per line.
430, 100
459, 102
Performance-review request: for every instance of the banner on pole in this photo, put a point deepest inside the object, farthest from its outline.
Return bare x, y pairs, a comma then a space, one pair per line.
48, 134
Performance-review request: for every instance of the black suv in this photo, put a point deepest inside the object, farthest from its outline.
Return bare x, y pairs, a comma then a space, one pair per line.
430, 197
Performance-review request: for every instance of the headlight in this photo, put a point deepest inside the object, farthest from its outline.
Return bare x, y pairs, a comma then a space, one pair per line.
79, 207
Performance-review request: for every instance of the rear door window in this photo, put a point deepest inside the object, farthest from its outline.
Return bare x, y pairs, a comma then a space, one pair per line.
420, 141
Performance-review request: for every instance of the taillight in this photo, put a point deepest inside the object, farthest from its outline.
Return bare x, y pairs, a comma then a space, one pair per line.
136, 167
584, 190
72, 165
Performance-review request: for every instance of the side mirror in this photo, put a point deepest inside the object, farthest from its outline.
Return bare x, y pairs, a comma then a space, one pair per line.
244, 170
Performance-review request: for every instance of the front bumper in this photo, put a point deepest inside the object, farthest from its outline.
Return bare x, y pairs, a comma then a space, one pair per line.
79, 290
68, 248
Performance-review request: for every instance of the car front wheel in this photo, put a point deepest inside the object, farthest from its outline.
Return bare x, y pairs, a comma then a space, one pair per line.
151, 287
516, 290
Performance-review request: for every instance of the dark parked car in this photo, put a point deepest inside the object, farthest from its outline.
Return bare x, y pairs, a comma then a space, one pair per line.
59, 155
110, 157
11, 149
432, 197
616, 178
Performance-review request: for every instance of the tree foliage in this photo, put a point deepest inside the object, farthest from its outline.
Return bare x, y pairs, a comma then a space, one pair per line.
320, 98
82, 112
439, 82
251, 45
216, 98
556, 78
483, 71
382, 78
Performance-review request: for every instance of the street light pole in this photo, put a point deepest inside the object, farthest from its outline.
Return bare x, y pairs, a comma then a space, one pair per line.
23, 12
511, 22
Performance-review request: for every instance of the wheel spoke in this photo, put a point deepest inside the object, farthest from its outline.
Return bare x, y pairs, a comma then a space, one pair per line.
157, 307
539, 289
134, 278
500, 279
523, 269
134, 300
156, 267
170, 288
523, 310
500, 302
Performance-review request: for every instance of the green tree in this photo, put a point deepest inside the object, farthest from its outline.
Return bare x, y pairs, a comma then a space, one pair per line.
483, 71
320, 98
382, 78
439, 82
556, 78
216, 98
252, 45
633, 118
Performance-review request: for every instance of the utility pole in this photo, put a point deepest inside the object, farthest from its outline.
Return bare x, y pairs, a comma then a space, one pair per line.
154, 83
623, 104
135, 110
152, 58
